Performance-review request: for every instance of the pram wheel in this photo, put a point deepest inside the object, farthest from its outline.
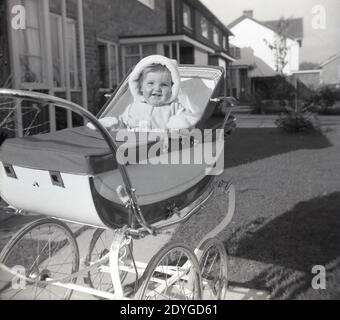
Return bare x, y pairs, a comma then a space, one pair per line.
213, 264
99, 246
172, 274
42, 250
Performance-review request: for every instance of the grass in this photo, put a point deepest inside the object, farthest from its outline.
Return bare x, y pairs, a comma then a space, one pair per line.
287, 217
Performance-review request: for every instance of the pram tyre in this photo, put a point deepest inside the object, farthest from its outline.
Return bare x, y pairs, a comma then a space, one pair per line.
29, 239
99, 247
185, 282
214, 267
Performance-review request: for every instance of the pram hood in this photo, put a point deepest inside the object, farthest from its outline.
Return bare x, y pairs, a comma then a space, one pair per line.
149, 60
77, 150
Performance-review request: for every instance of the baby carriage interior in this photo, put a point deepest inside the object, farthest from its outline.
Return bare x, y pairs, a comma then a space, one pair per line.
74, 175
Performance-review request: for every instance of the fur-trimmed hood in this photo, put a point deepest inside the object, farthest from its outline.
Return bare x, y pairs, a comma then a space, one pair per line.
147, 61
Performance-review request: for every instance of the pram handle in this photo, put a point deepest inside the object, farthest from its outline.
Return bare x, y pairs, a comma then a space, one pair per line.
48, 99
231, 100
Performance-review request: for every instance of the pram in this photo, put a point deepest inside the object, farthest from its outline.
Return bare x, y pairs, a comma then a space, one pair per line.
75, 175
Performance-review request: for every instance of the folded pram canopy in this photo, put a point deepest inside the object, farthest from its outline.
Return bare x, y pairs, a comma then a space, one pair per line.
77, 150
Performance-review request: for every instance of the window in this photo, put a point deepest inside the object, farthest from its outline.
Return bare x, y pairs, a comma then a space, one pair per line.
133, 53
148, 3
72, 53
204, 27
132, 56
225, 43
216, 36
187, 16
108, 64
235, 52
233, 78
30, 45
58, 52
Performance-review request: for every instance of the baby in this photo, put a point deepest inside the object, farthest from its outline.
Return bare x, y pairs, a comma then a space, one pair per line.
154, 84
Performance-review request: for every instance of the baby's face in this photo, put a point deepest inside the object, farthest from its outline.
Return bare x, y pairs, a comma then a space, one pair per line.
156, 88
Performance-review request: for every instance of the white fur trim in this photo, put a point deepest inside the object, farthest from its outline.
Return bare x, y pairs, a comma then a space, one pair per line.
147, 61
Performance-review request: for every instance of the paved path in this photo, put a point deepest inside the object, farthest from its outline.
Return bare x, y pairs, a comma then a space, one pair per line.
268, 121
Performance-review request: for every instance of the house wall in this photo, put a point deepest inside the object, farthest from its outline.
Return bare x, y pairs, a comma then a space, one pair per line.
201, 57
310, 79
110, 19
331, 73
248, 33
197, 12
4, 46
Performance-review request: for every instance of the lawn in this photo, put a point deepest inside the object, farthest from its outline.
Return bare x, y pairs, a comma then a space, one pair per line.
287, 217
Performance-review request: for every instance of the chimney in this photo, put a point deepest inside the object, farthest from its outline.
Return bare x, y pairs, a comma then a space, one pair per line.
248, 13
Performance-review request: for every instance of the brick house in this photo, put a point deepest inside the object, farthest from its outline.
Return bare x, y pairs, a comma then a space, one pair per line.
82, 49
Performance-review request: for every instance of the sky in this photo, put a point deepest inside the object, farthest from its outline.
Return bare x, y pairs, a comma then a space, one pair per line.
321, 21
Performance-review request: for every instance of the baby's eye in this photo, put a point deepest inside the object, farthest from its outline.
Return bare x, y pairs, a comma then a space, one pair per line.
165, 85
150, 83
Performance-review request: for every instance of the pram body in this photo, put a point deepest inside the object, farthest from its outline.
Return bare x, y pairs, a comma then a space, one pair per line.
71, 174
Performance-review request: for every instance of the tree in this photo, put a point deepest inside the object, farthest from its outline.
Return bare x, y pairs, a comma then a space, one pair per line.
279, 45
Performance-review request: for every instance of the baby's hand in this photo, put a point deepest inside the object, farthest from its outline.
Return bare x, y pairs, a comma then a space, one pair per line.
108, 122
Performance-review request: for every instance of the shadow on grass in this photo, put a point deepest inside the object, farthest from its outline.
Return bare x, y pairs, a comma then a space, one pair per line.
292, 244
252, 144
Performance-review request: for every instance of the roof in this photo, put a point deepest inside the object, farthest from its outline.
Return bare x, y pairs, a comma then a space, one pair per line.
306, 71
208, 14
330, 59
294, 30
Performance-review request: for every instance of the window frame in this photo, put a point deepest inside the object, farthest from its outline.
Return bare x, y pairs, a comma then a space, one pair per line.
216, 31
224, 42
140, 52
202, 20
61, 53
189, 11
15, 51
110, 46
74, 51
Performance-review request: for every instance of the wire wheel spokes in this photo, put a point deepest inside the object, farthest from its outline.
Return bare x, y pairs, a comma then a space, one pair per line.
172, 274
41, 251
99, 277
213, 265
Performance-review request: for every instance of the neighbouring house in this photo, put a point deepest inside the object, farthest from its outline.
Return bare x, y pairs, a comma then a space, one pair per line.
82, 49
310, 78
326, 74
256, 60
330, 74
